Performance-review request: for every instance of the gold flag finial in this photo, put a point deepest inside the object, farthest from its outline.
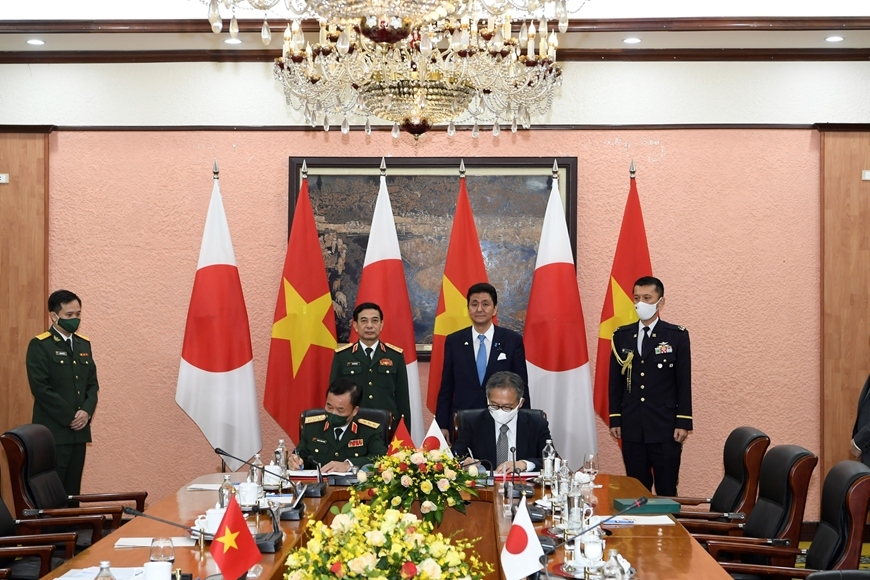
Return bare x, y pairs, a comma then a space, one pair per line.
216, 171
462, 168
304, 169
383, 166
555, 169
632, 170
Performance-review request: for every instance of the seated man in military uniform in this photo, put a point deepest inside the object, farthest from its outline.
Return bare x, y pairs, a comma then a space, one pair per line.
334, 439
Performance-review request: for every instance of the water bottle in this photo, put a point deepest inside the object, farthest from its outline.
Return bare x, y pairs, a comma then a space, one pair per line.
549, 460
257, 475
226, 491
105, 573
282, 456
612, 569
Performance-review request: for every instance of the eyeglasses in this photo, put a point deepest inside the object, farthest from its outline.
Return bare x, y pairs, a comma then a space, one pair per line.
505, 408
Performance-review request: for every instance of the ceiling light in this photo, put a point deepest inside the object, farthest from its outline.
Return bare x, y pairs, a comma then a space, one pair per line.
834, 39
631, 40
232, 41
35, 42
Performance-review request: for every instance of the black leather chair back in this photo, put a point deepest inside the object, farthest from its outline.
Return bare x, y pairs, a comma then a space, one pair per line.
382, 416
837, 519
43, 488
460, 416
739, 459
840, 575
7, 522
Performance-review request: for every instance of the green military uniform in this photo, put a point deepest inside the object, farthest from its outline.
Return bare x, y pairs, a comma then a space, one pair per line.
63, 380
361, 442
383, 378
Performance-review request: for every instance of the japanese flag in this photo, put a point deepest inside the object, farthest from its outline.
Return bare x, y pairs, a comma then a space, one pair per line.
435, 439
521, 554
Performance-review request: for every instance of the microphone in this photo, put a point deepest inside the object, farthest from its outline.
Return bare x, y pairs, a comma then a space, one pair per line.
522, 489
223, 453
134, 512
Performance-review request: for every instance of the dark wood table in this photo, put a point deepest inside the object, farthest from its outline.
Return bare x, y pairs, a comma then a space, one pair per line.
666, 552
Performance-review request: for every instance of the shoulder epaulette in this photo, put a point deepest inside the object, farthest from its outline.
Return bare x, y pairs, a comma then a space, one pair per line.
682, 328
368, 423
83, 337
43, 336
315, 419
393, 346
344, 346
629, 327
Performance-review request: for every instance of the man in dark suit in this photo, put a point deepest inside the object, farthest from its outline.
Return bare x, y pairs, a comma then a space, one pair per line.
860, 447
472, 355
490, 433
651, 391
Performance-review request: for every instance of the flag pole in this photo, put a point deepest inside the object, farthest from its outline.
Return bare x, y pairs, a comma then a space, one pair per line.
383, 167
216, 171
216, 176
555, 169
632, 170
462, 168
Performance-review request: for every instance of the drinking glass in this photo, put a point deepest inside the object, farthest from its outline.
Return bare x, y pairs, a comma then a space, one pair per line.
590, 465
593, 548
162, 550
507, 499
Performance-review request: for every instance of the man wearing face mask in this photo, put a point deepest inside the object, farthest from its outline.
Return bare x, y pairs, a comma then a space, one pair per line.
651, 391
335, 439
63, 380
490, 433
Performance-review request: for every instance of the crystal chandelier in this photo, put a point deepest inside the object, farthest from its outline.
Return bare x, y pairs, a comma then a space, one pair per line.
416, 63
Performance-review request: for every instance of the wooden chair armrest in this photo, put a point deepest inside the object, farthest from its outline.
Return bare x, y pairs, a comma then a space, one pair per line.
689, 500
68, 539
766, 570
717, 546
95, 523
701, 526
113, 511
137, 496
5, 573
44, 553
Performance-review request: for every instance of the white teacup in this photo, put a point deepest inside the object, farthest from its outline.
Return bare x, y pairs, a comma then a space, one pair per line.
249, 493
272, 474
157, 570
211, 520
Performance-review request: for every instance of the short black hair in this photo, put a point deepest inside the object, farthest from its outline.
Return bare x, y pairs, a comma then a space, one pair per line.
367, 306
60, 297
342, 385
651, 281
481, 287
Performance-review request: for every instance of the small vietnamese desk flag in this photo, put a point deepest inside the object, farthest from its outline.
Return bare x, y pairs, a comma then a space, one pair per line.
522, 551
233, 548
303, 332
216, 385
630, 262
560, 381
401, 439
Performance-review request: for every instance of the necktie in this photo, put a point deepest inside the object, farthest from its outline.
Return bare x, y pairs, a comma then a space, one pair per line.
644, 344
501, 446
338, 431
70, 344
369, 352
481, 358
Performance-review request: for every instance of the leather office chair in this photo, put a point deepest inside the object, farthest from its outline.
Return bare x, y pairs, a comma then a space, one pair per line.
382, 416
736, 494
837, 542
37, 489
460, 416
28, 554
779, 510
840, 575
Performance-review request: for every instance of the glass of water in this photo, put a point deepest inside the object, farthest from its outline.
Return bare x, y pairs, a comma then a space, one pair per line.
162, 550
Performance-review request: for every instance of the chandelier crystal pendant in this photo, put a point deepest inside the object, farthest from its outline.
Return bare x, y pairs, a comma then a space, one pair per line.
416, 63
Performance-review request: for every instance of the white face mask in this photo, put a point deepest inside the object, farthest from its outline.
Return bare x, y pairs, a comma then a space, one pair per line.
646, 311
502, 417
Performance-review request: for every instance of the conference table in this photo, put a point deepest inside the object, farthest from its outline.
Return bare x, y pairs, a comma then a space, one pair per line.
657, 552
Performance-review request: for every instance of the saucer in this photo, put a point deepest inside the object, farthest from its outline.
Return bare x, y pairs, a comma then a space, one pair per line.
194, 533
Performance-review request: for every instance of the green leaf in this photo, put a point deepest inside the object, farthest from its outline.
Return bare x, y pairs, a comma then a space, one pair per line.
334, 510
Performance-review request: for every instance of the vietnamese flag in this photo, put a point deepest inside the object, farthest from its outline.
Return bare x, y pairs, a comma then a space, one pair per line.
560, 381
463, 268
401, 439
233, 548
383, 282
303, 332
216, 385
630, 262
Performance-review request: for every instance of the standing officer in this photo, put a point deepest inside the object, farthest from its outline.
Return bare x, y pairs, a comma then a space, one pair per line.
651, 391
378, 367
334, 439
63, 380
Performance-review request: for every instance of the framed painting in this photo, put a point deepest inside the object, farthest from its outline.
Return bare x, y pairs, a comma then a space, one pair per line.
508, 198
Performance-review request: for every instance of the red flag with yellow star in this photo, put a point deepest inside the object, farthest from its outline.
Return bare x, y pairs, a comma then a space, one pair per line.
630, 262
233, 548
303, 334
401, 439
464, 267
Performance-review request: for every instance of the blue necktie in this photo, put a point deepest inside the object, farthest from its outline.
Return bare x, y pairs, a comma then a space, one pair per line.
481, 358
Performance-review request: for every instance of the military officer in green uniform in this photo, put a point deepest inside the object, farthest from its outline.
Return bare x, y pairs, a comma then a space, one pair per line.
63, 380
335, 439
378, 367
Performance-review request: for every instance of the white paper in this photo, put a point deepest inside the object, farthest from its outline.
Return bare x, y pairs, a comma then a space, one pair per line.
91, 572
177, 541
312, 473
660, 520
204, 487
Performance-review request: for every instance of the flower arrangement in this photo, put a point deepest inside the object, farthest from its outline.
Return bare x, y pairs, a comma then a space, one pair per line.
376, 542
432, 477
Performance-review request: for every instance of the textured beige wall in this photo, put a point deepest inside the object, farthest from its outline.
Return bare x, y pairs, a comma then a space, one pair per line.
732, 218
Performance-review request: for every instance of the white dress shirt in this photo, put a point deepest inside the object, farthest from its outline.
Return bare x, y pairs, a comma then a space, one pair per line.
640, 332
490, 332
512, 442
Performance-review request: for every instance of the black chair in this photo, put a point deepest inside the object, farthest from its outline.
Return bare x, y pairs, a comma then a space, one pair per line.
28, 554
37, 489
381, 416
736, 494
779, 510
840, 575
460, 416
837, 542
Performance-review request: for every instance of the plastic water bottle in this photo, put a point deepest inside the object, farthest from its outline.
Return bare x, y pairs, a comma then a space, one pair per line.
549, 460
226, 491
257, 475
612, 570
105, 573
282, 456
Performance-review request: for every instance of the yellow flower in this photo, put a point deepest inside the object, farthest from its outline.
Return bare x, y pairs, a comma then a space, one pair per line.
451, 502
430, 568
376, 537
314, 545
453, 559
396, 501
437, 549
426, 486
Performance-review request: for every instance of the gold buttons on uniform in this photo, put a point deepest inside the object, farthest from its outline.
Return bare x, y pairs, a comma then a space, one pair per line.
642, 399
371, 396
641, 374
336, 453
74, 362
370, 383
641, 386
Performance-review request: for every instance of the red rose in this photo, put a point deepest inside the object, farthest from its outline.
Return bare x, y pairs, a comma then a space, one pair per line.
439, 467
423, 468
403, 467
409, 570
337, 569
